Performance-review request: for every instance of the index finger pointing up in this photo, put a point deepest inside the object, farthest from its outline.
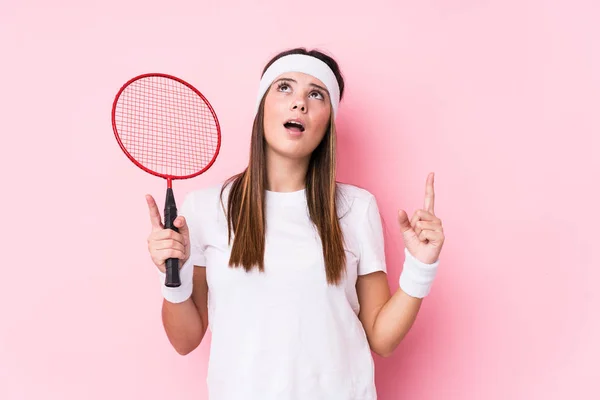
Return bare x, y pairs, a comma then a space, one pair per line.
429, 194
154, 213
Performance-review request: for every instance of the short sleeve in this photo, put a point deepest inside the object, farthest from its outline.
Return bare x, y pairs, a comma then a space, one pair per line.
371, 241
189, 210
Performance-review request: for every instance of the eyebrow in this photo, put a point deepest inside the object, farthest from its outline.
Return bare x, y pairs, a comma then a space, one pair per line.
311, 84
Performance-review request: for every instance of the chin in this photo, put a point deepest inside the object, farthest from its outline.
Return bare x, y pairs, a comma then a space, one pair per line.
292, 153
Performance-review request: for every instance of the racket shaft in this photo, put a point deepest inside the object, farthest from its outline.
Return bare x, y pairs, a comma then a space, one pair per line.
172, 264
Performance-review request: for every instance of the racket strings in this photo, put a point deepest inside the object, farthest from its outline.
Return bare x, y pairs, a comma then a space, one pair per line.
166, 126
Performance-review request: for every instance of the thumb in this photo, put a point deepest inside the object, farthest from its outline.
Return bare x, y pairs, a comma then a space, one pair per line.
407, 230
404, 221
181, 224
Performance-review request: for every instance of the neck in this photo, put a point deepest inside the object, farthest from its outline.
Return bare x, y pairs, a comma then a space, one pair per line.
285, 174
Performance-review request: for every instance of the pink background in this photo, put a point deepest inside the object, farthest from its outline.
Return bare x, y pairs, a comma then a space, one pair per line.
499, 98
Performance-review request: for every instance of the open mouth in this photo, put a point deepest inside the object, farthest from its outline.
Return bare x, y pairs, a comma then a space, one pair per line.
295, 126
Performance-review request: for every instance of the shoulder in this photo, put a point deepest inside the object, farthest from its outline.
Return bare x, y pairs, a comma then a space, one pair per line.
206, 199
353, 200
207, 192
355, 192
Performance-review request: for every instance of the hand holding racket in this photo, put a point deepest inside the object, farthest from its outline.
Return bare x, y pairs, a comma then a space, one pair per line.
167, 243
166, 127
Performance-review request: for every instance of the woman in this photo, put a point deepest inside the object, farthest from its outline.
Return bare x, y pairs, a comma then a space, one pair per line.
287, 264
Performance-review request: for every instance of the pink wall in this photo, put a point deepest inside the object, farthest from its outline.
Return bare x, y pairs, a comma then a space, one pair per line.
499, 98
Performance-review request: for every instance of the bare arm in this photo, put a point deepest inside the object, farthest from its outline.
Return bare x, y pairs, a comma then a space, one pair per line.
186, 323
385, 318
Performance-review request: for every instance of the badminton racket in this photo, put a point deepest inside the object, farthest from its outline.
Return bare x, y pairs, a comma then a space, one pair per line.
167, 128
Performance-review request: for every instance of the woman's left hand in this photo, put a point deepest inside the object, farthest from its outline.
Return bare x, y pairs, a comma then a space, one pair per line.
423, 234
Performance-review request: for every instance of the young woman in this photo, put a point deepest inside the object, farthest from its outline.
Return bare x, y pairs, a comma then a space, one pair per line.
287, 264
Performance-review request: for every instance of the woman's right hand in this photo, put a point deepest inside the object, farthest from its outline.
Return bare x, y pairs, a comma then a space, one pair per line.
166, 243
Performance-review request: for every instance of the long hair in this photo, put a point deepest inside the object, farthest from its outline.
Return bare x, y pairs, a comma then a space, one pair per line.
246, 201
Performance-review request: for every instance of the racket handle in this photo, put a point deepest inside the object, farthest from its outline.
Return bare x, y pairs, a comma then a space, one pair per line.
172, 264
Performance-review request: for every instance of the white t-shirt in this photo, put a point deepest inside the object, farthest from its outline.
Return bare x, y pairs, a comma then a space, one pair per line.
286, 334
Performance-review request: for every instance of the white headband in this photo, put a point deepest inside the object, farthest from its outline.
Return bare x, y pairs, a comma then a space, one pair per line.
301, 63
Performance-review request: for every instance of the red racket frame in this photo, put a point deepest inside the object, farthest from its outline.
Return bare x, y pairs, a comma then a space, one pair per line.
169, 178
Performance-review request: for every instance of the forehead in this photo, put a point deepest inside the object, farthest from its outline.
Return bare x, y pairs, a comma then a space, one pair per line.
301, 78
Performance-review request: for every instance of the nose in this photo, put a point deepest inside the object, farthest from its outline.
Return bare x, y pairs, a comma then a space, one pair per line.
298, 104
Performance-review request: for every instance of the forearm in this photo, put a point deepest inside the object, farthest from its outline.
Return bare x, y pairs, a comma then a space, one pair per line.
183, 325
393, 321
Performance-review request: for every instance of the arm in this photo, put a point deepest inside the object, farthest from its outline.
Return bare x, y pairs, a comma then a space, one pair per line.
385, 318
185, 323
184, 308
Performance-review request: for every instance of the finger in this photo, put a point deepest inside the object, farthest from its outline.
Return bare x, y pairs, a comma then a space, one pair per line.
418, 227
423, 215
407, 231
181, 224
429, 194
170, 253
154, 213
427, 225
168, 244
415, 218
431, 236
405, 224
165, 234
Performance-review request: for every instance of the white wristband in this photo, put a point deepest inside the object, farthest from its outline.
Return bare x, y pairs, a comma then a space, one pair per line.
183, 292
417, 277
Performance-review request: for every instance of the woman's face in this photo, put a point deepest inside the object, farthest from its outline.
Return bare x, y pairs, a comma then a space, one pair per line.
296, 114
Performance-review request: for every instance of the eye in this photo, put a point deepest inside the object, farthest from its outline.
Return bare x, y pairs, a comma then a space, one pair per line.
318, 94
281, 86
